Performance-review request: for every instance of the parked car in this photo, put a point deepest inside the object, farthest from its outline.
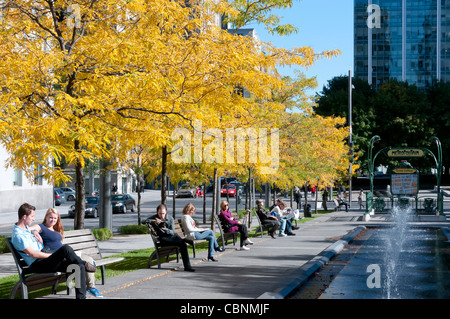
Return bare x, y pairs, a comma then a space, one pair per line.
59, 197
121, 203
186, 190
231, 190
68, 192
91, 209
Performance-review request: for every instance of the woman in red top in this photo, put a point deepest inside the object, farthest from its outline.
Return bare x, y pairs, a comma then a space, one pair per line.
232, 225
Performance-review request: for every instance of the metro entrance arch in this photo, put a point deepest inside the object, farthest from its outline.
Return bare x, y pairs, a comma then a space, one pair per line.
408, 187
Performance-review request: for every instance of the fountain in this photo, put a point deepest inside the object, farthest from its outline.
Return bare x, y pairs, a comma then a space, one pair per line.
404, 257
395, 239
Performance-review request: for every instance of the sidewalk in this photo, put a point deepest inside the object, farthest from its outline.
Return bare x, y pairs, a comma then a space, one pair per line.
271, 269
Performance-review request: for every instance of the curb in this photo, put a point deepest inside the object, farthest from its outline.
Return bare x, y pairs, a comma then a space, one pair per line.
313, 265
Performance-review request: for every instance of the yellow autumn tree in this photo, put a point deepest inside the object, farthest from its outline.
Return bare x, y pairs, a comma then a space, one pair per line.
80, 79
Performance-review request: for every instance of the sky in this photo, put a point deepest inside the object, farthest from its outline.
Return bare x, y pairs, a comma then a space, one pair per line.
322, 25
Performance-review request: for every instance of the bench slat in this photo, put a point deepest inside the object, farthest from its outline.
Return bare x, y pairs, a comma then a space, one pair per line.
78, 239
107, 261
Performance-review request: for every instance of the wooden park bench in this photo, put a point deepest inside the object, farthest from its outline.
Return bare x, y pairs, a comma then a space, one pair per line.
225, 236
261, 228
337, 206
180, 231
160, 250
83, 241
80, 240
167, 251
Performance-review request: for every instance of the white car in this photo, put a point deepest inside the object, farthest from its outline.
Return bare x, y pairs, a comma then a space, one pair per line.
186, 191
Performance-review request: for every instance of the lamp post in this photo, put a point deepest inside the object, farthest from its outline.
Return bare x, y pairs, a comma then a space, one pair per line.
350, 142
373, 140
439, 174
369, 196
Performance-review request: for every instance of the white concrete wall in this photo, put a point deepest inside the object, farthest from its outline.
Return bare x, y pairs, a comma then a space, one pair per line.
12, 196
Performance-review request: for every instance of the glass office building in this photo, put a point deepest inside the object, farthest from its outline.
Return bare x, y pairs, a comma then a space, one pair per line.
407, 40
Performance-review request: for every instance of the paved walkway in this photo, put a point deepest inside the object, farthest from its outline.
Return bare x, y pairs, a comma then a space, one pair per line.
264, 271
272, 268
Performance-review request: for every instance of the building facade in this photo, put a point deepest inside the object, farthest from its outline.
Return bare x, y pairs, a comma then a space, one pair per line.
406, 40
16, 189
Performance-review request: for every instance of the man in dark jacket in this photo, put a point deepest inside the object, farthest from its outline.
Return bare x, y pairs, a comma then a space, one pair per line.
269, 221
164, 226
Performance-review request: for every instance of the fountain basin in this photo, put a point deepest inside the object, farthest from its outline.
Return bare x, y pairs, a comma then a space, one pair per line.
407, 262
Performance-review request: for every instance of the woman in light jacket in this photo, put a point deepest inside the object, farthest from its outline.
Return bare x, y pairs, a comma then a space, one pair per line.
194, 232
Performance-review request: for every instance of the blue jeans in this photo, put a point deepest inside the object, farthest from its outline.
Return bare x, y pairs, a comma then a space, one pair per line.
286, 226
208, 235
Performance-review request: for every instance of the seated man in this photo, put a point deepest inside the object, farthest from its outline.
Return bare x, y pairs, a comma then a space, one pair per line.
269, 221
30, 249
165, 228
342, 202
286, 224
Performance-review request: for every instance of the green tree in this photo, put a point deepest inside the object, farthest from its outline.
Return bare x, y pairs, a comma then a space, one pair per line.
398, 112
439, 118
333, 101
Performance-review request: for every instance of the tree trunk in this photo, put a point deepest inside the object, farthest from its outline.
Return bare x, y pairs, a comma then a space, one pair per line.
215, 201
163, 176
204, 203
138, 189
80, 190
105, 208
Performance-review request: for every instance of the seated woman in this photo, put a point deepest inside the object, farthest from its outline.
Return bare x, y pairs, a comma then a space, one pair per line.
269, 221
194, 232
52, 233
286, 224
232, 225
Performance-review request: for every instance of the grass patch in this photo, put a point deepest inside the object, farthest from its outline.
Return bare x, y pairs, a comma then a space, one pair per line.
3, 246
133, 229
102, 234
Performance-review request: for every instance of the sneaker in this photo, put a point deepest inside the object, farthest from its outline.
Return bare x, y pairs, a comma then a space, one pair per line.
94, 292
282, 235
248, 241
245, 247
291, 234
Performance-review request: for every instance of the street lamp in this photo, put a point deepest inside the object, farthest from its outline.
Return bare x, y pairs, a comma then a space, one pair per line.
369, 196
439, 174
373, 140
350, 142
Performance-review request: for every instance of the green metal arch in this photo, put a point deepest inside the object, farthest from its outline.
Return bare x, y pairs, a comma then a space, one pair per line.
437, 160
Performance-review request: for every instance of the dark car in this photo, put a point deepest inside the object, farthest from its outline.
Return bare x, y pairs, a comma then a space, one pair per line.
91, 209
121, 203
59, 196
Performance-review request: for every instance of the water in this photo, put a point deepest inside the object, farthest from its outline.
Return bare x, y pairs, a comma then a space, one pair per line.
397, 240
406, 262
